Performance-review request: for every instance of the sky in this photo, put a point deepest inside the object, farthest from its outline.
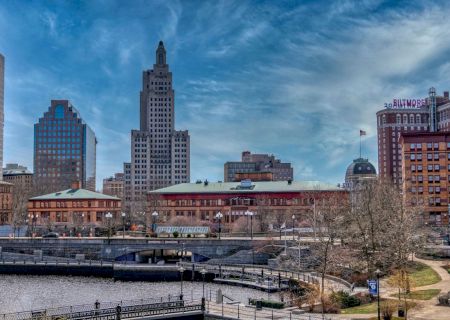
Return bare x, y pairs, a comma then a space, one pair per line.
297, 79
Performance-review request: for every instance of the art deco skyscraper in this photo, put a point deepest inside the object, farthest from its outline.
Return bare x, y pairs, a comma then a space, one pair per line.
2, 117
160, 155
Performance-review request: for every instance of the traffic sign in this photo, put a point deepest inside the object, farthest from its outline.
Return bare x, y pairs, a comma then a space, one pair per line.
373, 287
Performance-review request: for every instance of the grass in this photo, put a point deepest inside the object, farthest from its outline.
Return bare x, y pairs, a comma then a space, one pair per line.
369, 308
423, 275
419, 294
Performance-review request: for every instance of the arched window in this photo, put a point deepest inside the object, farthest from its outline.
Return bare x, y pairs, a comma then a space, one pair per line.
399, 119
405, 118
384, 119
411, 118
418, 118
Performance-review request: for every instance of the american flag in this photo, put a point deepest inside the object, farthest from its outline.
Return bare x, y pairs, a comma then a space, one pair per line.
362, 133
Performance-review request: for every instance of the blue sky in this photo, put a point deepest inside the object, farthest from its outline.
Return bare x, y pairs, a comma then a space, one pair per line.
293, 78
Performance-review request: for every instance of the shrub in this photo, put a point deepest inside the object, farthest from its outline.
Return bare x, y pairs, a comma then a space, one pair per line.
189, 235
175, 234
268, 303
387, 309
345, 300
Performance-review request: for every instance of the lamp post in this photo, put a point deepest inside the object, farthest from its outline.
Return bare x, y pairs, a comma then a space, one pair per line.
377, 273
108, 217
155, 215
219, 216
250, 214
293, 225
123, 224
203, 273
181, 269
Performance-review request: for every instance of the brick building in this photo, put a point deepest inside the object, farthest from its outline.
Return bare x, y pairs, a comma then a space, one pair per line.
202, 200
113, 186
73, 208
426, 168
6, 190
407, 116
258, 163
18, 175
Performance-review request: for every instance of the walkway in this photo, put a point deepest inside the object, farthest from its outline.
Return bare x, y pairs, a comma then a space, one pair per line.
428, 309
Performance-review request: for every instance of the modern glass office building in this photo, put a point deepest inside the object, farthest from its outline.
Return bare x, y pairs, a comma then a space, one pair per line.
64, 149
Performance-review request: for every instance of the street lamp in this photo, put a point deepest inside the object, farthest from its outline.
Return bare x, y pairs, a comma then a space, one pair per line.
203, 273
377, 273
181, 269
219, 216
293, 225
123, 224
155, 215
108, 221
250, 214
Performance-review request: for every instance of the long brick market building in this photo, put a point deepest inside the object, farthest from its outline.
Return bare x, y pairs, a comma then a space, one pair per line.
202, 200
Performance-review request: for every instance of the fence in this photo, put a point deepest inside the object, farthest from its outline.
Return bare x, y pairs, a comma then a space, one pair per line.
111, 310
237, 311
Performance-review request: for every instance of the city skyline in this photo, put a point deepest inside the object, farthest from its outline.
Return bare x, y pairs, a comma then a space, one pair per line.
263, 84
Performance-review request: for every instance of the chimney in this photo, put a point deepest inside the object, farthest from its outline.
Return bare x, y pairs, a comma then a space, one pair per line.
75, 185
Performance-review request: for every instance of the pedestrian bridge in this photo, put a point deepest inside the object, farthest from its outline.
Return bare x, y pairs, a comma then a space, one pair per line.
200, 249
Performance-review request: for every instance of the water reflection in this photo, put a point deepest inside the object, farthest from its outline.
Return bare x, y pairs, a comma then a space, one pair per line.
20, 293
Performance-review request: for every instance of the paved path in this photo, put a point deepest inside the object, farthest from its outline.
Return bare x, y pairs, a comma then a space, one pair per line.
428, 309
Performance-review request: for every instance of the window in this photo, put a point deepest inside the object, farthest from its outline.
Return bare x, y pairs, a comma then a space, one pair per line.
411, 118
436, 145
430, 167
437, 178
412, 146
436, 167
436, 156
405, 118
413, 156
59, 111
429, 156
413, 168
399, 119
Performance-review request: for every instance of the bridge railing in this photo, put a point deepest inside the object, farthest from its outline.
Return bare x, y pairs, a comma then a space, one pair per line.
252, 270
110, 310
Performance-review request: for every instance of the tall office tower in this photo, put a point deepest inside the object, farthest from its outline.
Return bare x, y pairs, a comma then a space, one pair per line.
2, 115
64, 149
160, 155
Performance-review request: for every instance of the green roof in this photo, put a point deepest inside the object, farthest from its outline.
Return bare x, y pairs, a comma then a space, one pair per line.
235, 187
75, 194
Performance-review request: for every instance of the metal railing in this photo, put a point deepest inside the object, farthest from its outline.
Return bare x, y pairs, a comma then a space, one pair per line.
111, 310
252, 271
237, 311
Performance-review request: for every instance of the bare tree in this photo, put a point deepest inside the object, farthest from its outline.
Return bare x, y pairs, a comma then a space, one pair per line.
328, 225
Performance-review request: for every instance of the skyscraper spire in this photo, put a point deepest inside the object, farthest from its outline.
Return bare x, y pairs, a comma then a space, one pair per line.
161, 54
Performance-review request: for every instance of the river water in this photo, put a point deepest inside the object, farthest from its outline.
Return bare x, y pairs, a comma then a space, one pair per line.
22, 293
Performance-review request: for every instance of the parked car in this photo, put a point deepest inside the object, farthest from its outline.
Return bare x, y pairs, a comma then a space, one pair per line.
51, 235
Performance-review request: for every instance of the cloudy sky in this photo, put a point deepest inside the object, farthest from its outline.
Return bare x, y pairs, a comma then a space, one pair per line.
294, 78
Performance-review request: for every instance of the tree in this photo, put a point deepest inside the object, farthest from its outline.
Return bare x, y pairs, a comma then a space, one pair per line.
328, 225
381, 229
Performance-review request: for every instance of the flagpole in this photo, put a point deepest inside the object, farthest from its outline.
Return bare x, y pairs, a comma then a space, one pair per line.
360, 144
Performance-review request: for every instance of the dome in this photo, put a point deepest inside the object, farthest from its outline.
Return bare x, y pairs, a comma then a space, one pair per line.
360, 169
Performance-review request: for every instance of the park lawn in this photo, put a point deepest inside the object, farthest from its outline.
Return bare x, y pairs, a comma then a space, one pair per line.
369, 308
419, 294
423, 275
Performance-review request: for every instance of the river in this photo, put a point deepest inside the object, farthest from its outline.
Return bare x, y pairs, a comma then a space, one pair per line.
22, 293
